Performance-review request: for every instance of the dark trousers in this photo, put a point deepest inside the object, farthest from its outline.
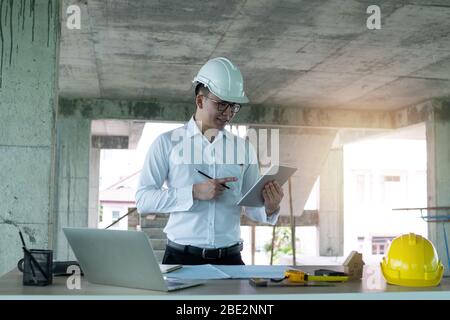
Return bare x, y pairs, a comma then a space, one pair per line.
174, 256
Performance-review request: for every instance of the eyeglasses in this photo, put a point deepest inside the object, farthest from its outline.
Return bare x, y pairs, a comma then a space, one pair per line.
222, 106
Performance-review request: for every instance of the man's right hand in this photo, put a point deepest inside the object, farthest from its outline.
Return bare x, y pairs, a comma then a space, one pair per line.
211, 188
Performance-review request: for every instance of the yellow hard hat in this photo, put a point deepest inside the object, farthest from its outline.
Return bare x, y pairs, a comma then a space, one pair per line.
412, 261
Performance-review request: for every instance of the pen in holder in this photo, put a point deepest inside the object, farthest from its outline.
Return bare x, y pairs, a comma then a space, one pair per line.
36, 266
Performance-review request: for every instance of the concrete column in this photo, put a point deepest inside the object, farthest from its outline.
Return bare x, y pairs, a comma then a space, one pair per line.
28, 90
94, 176
438, 174
72, 196
331, 210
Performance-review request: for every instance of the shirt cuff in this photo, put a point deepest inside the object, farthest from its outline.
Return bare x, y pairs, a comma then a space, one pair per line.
273, 218
184, 197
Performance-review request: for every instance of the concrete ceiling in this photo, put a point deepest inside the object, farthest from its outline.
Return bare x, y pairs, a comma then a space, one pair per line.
315, 54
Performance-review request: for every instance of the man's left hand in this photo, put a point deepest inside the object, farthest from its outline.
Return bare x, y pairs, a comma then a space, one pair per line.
272, 194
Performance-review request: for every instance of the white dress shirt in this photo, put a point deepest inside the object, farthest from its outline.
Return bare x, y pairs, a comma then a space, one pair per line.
173, 159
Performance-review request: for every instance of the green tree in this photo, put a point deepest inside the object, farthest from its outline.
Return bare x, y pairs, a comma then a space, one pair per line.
282, 243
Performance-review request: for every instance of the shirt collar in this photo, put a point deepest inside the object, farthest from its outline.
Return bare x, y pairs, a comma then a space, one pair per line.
193, 130
227, 134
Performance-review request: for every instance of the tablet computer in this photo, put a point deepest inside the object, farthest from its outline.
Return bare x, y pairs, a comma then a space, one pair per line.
253, 197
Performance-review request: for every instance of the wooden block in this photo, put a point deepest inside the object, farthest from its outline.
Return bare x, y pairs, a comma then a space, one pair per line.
354, 265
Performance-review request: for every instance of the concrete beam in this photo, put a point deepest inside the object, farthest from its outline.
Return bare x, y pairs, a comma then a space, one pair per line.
412, 114
249, 115
130, 128
110, 142
313, 117
421, 112
94, 109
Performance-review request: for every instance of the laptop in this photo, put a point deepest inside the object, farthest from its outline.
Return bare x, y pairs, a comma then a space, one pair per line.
120, 258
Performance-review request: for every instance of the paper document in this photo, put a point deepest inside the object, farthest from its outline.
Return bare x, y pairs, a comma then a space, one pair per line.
203, 271
209, 272
254, 271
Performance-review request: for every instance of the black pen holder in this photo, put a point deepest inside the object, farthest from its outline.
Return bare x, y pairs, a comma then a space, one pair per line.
37, 267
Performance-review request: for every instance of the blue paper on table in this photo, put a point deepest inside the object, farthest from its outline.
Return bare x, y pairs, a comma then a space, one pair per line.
210, 272
254, 271
203, 271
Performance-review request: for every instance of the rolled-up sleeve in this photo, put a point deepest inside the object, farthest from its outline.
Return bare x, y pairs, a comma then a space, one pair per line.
151, 197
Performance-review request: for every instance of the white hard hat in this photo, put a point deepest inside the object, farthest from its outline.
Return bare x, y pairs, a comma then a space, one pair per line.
223, 79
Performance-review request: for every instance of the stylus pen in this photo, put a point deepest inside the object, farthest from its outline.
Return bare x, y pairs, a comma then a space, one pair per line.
204, 174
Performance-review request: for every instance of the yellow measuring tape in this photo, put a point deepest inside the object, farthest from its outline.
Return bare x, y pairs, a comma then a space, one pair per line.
295, 275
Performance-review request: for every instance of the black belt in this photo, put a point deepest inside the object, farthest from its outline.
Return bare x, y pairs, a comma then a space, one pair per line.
207, 253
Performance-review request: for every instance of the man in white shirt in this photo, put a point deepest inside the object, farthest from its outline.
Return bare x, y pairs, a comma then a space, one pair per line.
206, 170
